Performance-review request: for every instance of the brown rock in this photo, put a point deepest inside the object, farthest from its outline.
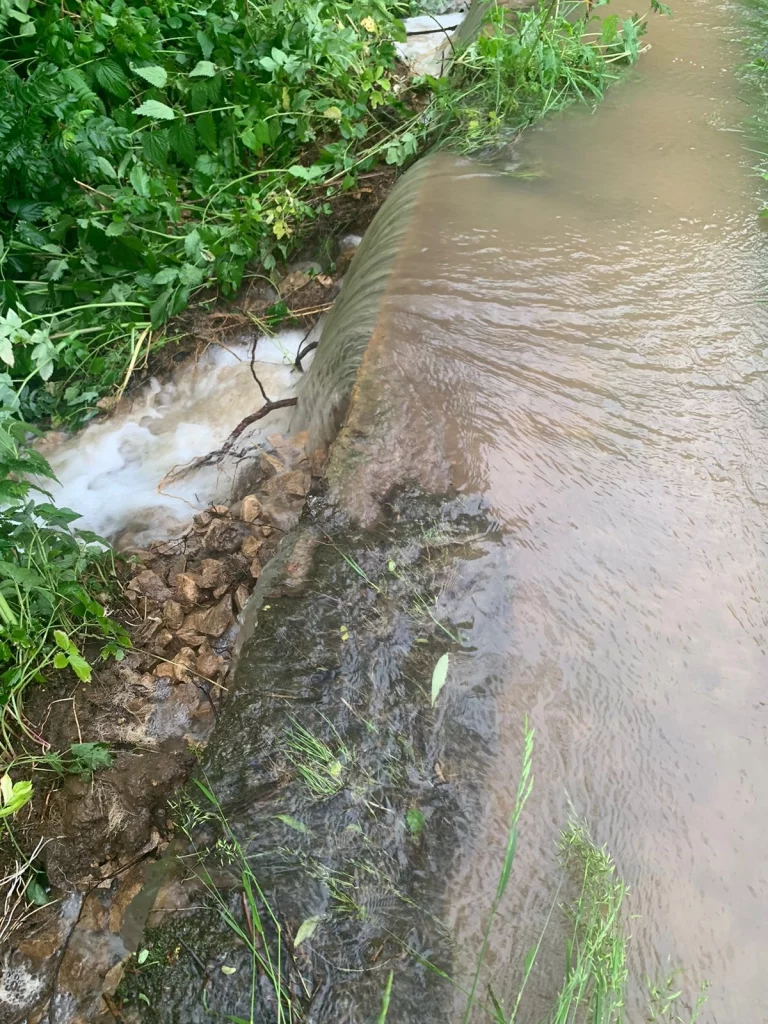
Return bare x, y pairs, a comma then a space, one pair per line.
176, 565
209, 664
317, 461
149, 585
202, 520
250, 508
183, 663
211, 621
266, 530
255, 568
160, 640
220, 510
225, 535
165, 670
187, 589
221, 591
283, 498
212, 573
251, 546
173, 614
241, 596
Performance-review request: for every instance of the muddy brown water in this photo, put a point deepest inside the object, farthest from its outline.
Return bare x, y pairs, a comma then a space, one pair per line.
573, 335
590, 347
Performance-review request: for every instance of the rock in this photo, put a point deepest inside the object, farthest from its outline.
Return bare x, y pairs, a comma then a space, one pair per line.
160, 640
225, 535
176, 565
283, 498
209, 664
165, 670
220, 510
202, 520
250, 508
187, 590
266, 530
173, 614
220, 591
211, 621
255, 568
149, 585
241, 596
251, 546
212, 573
183, 663
317, 462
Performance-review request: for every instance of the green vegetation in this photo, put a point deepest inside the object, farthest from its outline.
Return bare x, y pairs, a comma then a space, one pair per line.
525, 65
50, 575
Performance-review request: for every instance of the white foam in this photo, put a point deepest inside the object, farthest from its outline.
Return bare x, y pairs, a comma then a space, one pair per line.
112, 470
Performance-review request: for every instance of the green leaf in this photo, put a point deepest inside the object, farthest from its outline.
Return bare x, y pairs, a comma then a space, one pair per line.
414, 819
306, 930
203, 69
13, 795
439, 677
334, 113
80, 667
183, 140
307, 173
142, 956
226, 969
89, 757
63, 641
60, 660
111, 77
166, 275
206, 129
294, 823
36, 893
193, 244
156, 110
154, 74
27, 579
155, 145
205, 44
140, 181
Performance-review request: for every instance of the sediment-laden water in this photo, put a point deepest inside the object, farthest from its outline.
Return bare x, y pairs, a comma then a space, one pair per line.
572, 340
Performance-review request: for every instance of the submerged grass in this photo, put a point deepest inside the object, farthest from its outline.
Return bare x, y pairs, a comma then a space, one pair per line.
596, 962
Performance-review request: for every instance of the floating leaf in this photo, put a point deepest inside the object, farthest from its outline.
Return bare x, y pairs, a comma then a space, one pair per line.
156, 110
414, 819
294, 823
154, 74
306, 930
439, 676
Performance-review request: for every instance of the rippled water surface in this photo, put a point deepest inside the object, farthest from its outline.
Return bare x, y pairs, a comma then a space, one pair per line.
591, 346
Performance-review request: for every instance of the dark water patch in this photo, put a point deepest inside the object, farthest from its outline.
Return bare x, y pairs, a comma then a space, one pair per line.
341, 788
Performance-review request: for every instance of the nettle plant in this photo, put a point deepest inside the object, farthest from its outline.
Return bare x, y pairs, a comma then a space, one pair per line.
147, 151
50, 576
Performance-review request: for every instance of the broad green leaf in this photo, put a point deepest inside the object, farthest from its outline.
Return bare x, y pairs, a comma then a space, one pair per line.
306, 930
111, 77
226, 969
27, 579
204, 43
156, 110
154, 74
14, 795
6, 351
334, 113
203, 69
80, 667
166, 275
60, 660
140, 181
142, 956
36, 893
192, 244
439, 677
63, 641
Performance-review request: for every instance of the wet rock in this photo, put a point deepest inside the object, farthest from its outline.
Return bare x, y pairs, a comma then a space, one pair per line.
209, 664
225, 535
251, 546
283, 498
317, 462
173, 614
150, 586
202, 520
250, 508
211, 621
187, 590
